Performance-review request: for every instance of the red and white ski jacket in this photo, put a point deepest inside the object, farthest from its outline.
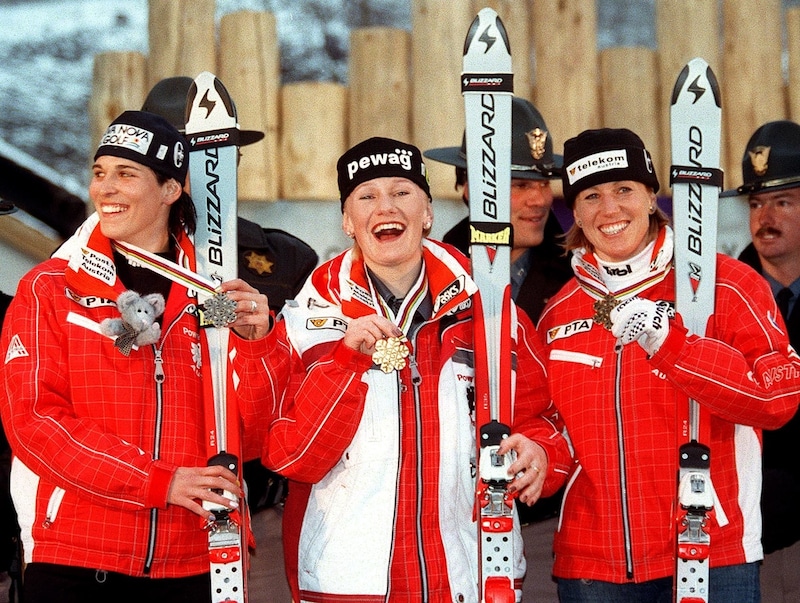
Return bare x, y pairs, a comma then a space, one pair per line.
96, 435
620, 410
382, 465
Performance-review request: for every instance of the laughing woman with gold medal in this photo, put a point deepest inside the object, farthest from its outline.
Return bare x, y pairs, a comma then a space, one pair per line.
620, 399
376, 431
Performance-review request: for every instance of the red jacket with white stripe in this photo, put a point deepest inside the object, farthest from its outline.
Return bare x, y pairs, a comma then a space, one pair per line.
620, 409
96, 435
381, 503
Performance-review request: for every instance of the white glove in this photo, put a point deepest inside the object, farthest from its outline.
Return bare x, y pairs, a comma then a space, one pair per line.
641, 320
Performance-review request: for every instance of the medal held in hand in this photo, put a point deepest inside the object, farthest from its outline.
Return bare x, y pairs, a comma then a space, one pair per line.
219, 310
602, 308
391, 353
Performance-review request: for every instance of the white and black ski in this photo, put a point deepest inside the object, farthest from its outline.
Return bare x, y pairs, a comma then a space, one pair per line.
487, 86
212, 132
696, 180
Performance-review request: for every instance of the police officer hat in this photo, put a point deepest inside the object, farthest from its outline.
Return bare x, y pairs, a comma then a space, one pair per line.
532, 155
771, 160
168, 99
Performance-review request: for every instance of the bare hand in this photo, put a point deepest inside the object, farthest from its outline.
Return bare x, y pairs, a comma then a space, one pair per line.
191, 486
252, 309
530, 468
363, 332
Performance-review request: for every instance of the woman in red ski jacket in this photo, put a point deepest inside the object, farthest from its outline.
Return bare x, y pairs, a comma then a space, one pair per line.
381, 449
622, 402
109, 468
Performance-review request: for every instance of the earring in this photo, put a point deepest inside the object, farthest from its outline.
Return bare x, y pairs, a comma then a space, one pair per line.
426, 226
350, 235
578, 223
652, 209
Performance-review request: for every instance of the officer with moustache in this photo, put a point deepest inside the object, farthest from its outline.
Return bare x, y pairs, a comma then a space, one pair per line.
771, 182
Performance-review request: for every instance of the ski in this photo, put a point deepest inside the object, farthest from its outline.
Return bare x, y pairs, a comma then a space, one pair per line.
487, 86
696, 179
212, 132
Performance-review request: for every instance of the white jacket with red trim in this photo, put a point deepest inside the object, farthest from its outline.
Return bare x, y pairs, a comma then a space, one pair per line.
96, 435
382, 465
619, 408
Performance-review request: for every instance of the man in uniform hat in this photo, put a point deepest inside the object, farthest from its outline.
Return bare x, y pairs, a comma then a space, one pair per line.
771, 181
271, 260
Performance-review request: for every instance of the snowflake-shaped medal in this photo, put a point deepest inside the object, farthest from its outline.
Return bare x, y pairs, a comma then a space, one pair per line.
391, 353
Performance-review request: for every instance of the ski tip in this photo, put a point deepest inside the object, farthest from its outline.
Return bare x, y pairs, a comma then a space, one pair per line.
700, 78
491, 27
205, 93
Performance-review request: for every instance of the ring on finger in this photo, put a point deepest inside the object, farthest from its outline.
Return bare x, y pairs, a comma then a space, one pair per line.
536, 469
253, 306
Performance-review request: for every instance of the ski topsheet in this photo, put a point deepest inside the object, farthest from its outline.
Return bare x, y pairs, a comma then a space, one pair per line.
695, 121
212, 132
487, 86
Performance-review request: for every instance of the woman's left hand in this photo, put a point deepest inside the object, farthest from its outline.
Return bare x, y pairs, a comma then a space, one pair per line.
529, 469
252, 309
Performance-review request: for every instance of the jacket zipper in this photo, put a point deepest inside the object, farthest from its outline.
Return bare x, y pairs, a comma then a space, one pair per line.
159, 379
416, 379
53, 505
623, 485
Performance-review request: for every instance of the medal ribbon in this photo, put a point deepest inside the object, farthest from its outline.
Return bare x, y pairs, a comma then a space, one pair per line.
589, 276
412, 300
166, 268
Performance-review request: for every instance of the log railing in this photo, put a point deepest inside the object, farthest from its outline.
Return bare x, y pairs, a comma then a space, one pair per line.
405, 84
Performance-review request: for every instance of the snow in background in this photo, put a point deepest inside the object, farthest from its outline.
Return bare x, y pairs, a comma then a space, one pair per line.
47, 49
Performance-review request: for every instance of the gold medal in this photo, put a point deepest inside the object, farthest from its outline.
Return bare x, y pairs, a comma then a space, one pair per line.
602, 308
391, 353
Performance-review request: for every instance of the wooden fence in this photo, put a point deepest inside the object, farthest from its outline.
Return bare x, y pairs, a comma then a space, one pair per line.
405, 84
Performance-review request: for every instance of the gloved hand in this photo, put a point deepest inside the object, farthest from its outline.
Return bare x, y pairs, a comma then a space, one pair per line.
641, 320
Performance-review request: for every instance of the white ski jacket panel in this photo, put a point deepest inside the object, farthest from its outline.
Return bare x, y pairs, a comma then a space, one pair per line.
381, 505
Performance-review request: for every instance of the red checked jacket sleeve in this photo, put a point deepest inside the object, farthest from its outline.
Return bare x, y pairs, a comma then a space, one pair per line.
43, 418
320, 411
744, 371
535, 415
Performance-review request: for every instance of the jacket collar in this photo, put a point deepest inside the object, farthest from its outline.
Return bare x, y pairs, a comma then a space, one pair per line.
90, 260
344, 281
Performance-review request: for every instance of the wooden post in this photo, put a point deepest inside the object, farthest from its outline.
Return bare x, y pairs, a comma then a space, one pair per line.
182, 38
565, 83
630, 98
752, 79
515, 15
249, 67
439, 28
685, 29
379, 79
793, 48
313, 138
118, 84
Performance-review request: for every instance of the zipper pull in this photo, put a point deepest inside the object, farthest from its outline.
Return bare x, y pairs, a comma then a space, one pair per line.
416, 378
159, 376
